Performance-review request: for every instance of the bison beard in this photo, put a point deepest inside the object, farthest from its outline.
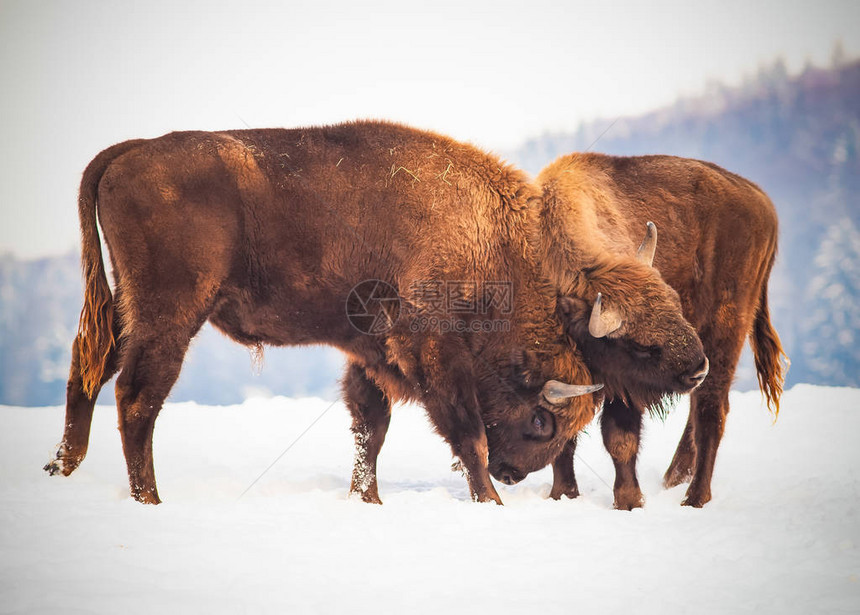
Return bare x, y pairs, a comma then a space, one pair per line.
709, 278
265, 232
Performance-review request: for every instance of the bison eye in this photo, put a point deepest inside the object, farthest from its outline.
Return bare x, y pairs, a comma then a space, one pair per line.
542, 425
644, 352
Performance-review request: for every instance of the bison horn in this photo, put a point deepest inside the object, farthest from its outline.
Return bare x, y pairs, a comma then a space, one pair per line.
645, 253
557, 393
602, 322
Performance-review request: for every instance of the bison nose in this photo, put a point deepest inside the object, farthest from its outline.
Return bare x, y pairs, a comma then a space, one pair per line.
508, 475
695, 377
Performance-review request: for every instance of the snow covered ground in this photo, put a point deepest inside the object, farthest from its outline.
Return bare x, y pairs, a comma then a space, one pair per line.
781, 535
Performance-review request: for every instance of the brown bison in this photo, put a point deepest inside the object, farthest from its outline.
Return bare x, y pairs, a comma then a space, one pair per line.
717, 247
322, 236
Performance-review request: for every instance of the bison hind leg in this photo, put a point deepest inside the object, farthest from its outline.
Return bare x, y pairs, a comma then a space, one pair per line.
149, 370
153, 351
70, 452
681, 468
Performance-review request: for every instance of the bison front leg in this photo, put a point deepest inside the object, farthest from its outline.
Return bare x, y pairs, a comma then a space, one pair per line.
468, 442
621, 427
371, 415
452, 404
473, 453
563, 476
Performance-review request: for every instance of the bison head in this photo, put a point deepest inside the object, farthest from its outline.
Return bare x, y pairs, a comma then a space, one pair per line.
629, 325
534, 424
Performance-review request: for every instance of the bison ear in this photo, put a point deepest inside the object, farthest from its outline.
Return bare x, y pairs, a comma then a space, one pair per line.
574, 314
526, 367
530, 360
572, 308
646, 251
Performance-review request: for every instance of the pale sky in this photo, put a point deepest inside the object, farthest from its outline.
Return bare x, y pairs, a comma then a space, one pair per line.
79, 76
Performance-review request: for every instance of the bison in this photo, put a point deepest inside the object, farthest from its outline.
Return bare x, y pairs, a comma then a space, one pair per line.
274, 235
718, 244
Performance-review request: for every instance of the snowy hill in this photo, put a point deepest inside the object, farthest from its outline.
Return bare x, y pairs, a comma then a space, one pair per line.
798, 137
782, 534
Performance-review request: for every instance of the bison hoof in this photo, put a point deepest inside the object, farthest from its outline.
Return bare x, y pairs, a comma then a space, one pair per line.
628, 499
674, 477
487, 497
696, 501
53, 467
370, 497
146, 496
61, 463
570, 492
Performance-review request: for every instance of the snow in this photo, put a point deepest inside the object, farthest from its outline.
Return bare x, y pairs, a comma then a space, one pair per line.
781, 535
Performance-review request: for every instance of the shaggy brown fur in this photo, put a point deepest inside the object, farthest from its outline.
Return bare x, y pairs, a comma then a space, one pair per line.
718, 235
265, 232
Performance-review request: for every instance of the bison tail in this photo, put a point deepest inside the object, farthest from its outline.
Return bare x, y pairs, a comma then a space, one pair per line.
771, 362
96, 337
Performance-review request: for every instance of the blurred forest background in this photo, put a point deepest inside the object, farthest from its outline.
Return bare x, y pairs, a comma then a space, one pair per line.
797, 136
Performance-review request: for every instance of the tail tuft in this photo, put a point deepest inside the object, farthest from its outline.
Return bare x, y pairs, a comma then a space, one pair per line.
771, 361
95, 331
